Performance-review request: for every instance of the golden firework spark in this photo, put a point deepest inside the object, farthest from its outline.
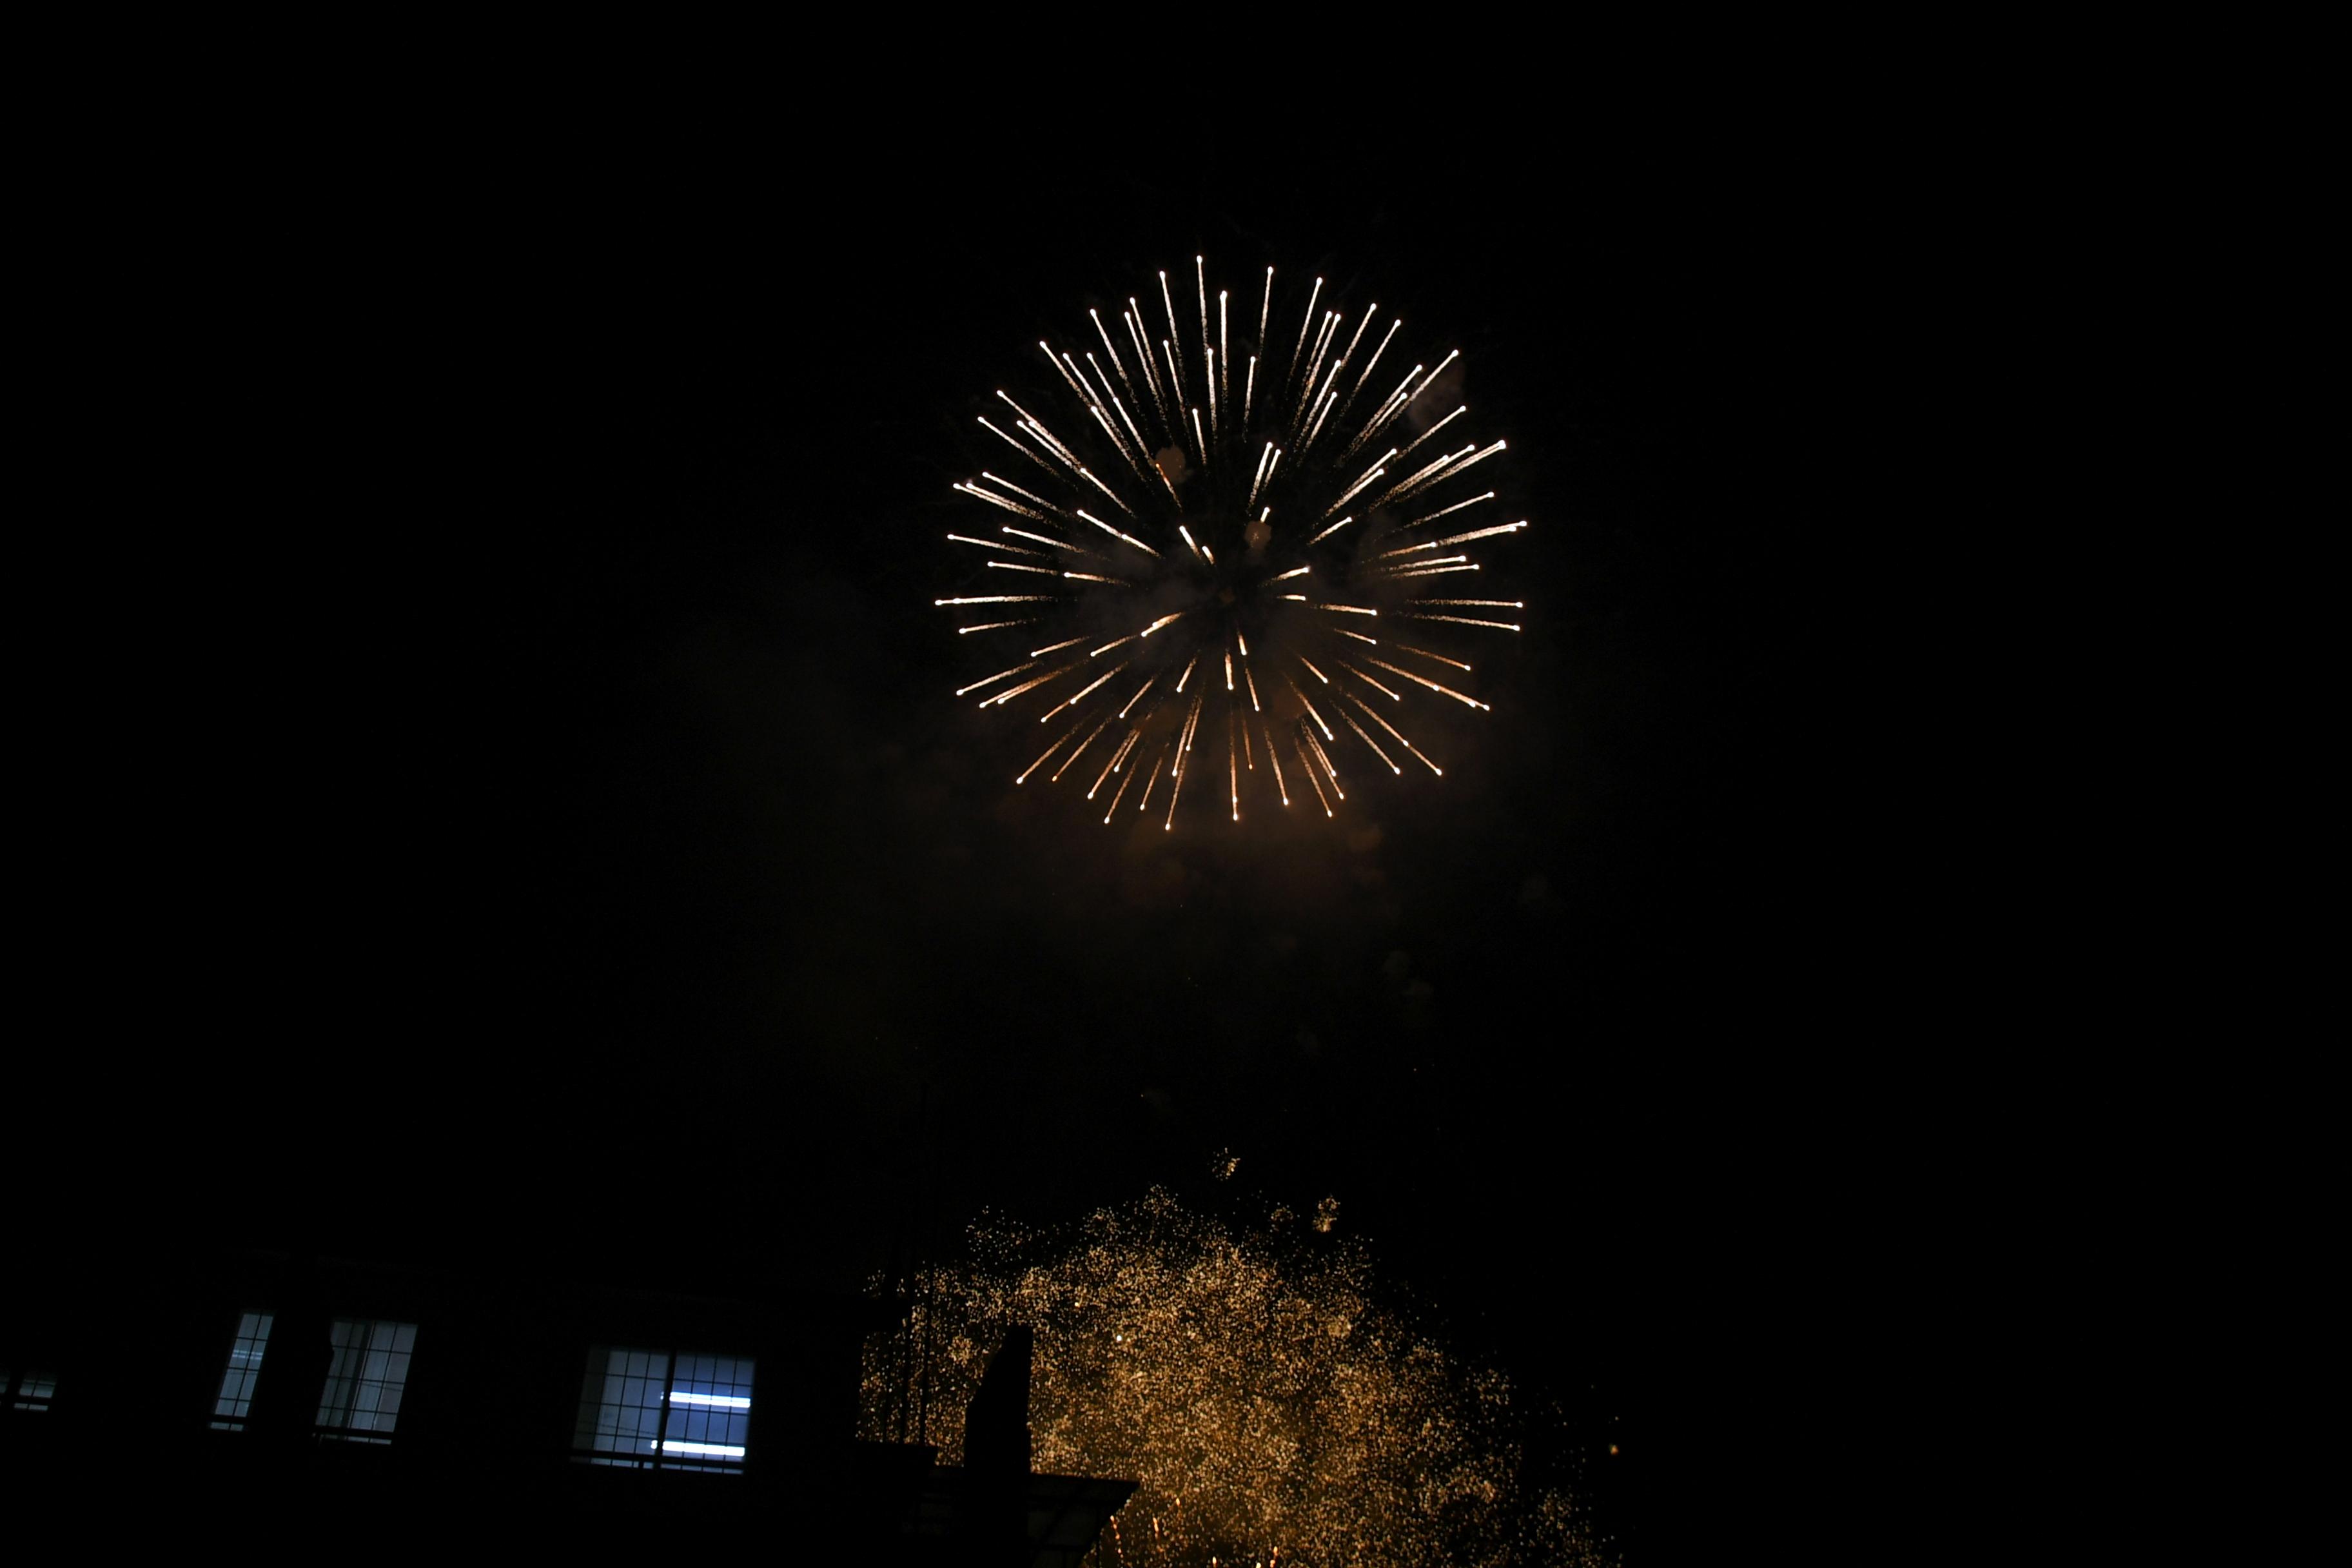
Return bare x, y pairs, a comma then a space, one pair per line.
1220, 502
1255, 1383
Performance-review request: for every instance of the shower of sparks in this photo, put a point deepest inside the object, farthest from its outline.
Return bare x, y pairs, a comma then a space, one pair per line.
1258, 1384
1325, 467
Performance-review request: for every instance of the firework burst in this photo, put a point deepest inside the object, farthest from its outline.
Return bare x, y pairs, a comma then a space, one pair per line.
1270, 1408
1231, 565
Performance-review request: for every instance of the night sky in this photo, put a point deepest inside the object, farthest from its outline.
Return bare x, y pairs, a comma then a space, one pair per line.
630, 878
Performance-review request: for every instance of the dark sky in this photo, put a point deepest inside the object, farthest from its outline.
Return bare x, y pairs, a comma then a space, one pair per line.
631, 877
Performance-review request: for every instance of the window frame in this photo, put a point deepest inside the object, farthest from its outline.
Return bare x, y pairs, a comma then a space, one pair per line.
29, 1391
354, 1374
232, 1409
682, 1370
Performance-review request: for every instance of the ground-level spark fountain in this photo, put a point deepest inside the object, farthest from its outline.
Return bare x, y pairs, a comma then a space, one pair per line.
1273, 1410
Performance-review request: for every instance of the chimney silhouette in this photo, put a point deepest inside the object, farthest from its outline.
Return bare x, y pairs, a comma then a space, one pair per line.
996, 1455
996, 1426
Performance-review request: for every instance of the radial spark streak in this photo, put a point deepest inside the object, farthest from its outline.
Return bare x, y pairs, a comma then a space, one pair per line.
1445, 690
1056, 774
1375, 745
1307, 767
1301, 344
1408, 648
1049, 751
1110, 762
992, 679
1145, 804
1041, 538
1309, 707
1003, 697
1325, 758
1462, 621
1369, 714
1009, 505
1443, 511
1124, 780
1082, 696
1360, 675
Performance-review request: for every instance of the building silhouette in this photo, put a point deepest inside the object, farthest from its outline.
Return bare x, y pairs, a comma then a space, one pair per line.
321, 1404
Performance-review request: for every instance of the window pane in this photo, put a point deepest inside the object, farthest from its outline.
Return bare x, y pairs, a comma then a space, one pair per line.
627, 1394
710, 1403
235, 1400
35, 1391
364, 1384
620, 1403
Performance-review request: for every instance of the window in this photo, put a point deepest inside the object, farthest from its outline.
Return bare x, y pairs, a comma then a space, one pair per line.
651, 1410
235, 1398
32, 1392
361, 1400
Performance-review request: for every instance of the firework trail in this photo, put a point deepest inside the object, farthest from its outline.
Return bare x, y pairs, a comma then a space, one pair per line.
1271, 1410
1225, 563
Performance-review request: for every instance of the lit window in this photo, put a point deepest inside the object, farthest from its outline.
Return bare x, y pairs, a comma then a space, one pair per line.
236, 1399
361, 1401
649, 1409
33, 1391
